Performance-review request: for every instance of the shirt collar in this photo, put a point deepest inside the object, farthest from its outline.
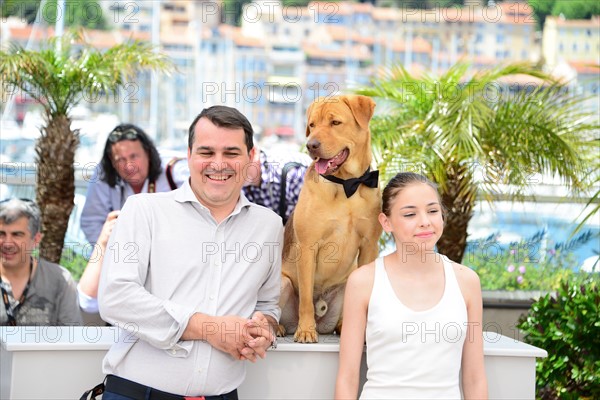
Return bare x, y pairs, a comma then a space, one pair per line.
186, 194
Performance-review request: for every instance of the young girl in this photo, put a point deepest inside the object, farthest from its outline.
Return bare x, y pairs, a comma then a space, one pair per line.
421, 313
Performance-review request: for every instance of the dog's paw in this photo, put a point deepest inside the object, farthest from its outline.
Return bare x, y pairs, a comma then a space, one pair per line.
306, 336
280, 330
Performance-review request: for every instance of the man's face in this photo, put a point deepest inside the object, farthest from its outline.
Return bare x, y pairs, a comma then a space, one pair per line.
16, 243
218, 161
131, 162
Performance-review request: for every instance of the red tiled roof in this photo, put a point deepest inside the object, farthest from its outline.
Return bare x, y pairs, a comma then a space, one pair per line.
385, 14
235, 33
356, 52
97, 38
103, 39
23, 33
247, 41
362, 7
419, 45
586, 68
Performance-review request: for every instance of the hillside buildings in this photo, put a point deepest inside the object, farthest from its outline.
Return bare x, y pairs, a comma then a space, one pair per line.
279, 58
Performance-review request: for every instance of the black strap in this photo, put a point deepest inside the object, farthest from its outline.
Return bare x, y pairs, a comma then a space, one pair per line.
93, 392
282, 199
169, 172
12, 321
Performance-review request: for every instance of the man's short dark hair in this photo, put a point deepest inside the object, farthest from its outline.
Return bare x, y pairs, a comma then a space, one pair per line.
225, 117
110, 174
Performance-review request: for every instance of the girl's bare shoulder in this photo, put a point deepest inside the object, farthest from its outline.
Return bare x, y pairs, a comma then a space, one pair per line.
363, 276
467, 278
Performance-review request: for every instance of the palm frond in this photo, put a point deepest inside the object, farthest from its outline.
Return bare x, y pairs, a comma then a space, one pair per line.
57, 79
450, 126
545, 132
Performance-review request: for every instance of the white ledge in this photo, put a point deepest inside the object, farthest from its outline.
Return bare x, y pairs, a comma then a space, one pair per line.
60, 338
42, 354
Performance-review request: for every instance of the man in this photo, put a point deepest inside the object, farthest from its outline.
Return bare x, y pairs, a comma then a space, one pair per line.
275, 180
193, 275
34, 291
130, 164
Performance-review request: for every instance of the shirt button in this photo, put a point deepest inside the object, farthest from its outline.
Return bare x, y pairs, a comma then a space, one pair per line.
212, 297
173, 351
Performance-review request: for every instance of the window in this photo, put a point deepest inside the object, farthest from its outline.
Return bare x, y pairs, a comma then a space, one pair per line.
284, 70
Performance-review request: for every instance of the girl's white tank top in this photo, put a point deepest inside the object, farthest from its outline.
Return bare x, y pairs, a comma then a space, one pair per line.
414, 354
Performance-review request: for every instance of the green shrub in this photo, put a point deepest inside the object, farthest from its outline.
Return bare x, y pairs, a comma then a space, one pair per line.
566, 324
531, 264
73, 262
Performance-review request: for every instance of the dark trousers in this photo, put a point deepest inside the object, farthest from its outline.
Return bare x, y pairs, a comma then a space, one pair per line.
122, 389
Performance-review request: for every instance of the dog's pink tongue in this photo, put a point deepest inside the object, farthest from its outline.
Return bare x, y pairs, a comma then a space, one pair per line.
321, 165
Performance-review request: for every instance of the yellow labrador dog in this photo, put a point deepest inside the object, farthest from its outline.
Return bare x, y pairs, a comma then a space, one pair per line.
334, 227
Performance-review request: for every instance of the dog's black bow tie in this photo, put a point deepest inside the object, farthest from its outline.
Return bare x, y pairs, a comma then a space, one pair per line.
369, 179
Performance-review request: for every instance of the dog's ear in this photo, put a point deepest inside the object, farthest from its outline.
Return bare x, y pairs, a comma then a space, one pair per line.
308, 111
362, 108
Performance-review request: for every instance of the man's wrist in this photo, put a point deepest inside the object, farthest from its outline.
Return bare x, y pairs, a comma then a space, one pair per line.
195, 328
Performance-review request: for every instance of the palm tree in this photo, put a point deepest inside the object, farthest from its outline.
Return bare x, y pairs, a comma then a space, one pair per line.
59, 78
471, 137
594, 201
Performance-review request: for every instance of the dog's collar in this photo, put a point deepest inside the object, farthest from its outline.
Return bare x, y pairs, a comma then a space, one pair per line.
369, 179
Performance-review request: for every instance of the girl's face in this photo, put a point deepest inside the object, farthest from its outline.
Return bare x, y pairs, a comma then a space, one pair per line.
415, 219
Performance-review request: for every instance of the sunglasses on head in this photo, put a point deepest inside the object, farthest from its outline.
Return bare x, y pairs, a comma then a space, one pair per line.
117, 135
